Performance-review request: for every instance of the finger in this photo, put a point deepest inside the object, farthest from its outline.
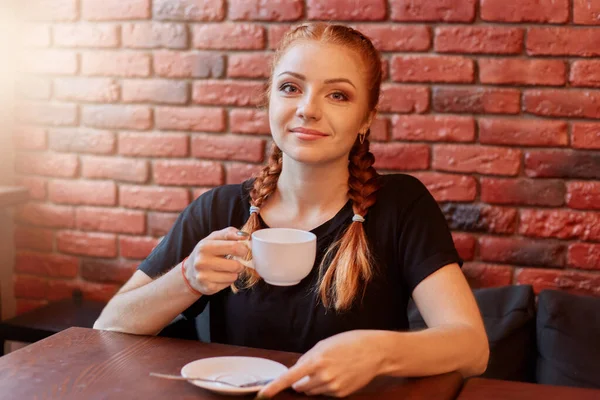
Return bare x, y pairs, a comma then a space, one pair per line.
224, 247
309, 383
220, 278
220, 264
287, 379
317, 390
229, 233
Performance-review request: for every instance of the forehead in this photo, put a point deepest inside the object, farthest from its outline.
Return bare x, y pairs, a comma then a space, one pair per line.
321, 61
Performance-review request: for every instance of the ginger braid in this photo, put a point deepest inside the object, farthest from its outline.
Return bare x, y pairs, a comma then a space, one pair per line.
351, 266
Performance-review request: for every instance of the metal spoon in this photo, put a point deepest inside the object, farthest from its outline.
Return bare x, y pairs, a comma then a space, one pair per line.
184, 378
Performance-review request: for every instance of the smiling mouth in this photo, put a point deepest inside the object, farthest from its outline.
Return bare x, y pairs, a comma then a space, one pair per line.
308, 132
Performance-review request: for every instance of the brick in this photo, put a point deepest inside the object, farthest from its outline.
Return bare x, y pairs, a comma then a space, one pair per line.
522, 72
228, 148
434, 128
522, 251
233, 93
523, 191
201, 119
29, 138
50, 62
27, 305
172, 64
46, 264
561, 224
99, 90
249, 65
238, 172
155, 91
585, 73
562, 103
114, 63
585, 135
478, 39
159, 224
441, 10
186, 172
228, 36
87, 244
432, 69
449, 187
584, 256
86, 35
47, 164
33, 88
583, 195
153, 35
549, 11
154, 198
116, 117
110, 220
137, 248
249, 121
79, 192
51, 10
61, 289
55, 114
523, 132
366, 10
35, 185
106, 10
404, 99
476, 100
276, 33
107, 271
562, 164
558, 41
397, 38
401, 156
477, 159
34, 238
569, 281
119, 169
30, 287
480, 218
480, 275
379, 129
465, 245
260, 10
35, 35
189, 10
586, 12
153, 144
81, 140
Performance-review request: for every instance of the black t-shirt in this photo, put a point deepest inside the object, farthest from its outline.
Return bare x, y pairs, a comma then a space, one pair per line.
408, 236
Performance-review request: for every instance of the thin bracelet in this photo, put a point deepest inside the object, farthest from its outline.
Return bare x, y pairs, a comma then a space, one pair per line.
187, 283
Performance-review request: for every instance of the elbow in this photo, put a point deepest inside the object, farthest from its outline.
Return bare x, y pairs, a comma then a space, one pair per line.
477, 364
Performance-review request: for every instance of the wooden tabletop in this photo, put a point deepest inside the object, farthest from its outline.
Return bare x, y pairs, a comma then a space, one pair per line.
492, 389
12, 195
82, 363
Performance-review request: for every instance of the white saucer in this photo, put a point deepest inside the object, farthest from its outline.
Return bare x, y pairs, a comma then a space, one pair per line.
237, 370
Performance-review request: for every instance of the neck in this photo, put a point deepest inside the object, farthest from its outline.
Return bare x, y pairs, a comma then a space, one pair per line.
306, 189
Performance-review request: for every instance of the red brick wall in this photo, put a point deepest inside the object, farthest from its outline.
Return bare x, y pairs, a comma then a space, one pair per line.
130, 109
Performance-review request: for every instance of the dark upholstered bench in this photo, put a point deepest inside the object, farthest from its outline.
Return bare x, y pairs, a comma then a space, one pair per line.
45, 321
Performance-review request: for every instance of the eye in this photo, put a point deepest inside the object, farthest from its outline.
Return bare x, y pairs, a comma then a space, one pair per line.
339, 96
288, 88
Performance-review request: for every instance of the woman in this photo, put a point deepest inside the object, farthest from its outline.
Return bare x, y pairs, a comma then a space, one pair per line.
380, 240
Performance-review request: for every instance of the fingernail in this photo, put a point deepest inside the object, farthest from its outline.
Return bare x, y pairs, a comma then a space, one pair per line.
260, 397
242, 233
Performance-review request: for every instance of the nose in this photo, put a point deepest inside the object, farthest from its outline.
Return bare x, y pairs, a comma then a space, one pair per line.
309, 108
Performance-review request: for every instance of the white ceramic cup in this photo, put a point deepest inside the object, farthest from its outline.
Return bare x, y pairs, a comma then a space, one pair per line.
282, 256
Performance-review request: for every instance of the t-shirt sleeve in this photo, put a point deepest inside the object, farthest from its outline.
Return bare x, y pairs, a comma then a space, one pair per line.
191, 226
426, 243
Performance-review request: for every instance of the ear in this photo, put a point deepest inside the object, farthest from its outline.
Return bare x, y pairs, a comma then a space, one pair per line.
364, 127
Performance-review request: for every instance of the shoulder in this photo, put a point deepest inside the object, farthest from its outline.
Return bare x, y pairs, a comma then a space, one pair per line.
401, 189
224, 199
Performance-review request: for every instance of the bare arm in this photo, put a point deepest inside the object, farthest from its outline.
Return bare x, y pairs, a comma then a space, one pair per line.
144, 306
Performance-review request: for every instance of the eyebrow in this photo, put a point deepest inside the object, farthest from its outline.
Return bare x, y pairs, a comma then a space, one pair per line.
328, 81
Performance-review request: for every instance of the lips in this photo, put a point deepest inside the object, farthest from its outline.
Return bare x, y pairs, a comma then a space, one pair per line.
308, 132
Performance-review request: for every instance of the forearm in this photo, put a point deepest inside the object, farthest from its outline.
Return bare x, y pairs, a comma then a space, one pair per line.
432, 351
146, 310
